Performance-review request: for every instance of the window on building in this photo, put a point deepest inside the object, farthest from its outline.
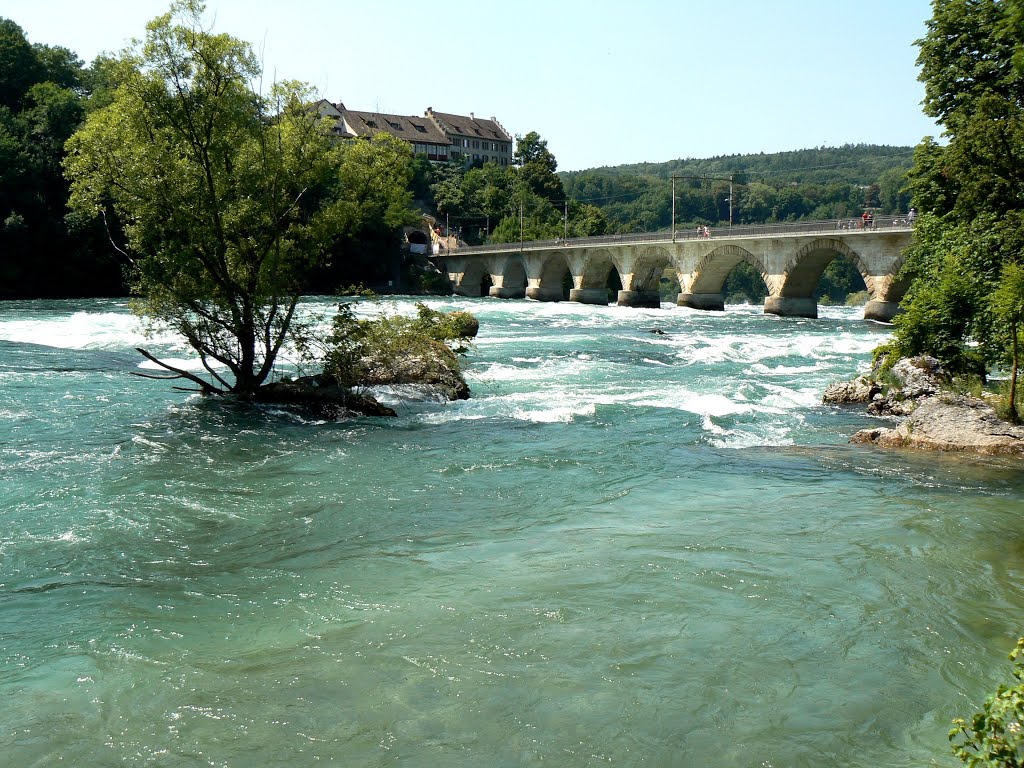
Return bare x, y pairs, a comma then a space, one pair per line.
370, 124
419, 127
465, 143
476, 145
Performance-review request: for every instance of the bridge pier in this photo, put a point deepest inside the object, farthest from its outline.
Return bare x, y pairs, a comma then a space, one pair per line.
647, 299
540, 293
708, 301
589, 295
882, 311
500, 292
791, 306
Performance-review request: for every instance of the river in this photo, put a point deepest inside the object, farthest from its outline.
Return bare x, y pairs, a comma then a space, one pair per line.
627, 548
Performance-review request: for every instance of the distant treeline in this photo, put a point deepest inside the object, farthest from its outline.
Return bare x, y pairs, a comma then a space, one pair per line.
822, 183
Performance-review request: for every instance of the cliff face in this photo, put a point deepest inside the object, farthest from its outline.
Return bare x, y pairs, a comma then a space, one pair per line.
932, 419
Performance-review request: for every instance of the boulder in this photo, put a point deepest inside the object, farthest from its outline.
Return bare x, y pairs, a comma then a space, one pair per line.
918, 377
861, 390
950, 424
465, 323
433, 366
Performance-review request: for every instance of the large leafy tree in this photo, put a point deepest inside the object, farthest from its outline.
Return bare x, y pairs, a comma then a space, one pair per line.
536, 167
970, 189
227, 198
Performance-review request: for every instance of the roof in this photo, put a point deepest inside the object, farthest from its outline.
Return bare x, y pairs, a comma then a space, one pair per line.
415, 129
470, 127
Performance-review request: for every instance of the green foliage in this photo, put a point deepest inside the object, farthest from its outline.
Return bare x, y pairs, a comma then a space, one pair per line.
227, 198
970, 190
994, 737
43, 92
840, 279
536, 168
816, 183
744, 285
966, 55
359, 349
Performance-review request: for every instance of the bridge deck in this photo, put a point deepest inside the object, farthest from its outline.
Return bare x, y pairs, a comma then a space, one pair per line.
782, 229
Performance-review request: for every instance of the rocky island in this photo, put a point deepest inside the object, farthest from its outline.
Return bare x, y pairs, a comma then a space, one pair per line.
917, 392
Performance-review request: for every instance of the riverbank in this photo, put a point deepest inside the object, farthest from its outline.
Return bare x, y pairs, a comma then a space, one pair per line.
931, 416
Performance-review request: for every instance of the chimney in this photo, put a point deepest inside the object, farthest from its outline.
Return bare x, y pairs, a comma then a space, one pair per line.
472, 116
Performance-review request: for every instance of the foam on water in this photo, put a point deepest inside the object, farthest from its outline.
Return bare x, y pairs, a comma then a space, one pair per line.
609, 554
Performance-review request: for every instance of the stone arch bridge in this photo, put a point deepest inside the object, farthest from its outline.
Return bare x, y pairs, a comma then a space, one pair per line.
790, 258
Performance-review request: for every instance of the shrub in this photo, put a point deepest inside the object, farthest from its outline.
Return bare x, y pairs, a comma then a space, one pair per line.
994, 737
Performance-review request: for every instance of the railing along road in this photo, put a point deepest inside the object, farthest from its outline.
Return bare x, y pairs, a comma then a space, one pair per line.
843, 226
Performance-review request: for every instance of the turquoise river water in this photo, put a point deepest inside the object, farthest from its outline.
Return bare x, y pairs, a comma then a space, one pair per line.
626, 549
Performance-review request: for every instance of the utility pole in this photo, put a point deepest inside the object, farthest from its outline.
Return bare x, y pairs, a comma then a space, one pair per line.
520, 227
703, 179
673, 209
565, 220
730, 201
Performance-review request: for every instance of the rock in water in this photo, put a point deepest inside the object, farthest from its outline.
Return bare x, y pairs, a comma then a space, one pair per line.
950, 424
860, 390
322, 396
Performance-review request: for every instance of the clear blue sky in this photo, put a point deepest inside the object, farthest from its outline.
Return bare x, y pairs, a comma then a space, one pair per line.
604, 82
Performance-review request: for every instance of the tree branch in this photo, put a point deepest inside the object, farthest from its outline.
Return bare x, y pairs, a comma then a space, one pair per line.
205, 387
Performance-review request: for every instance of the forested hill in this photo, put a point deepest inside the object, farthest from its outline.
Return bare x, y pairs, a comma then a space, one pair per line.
851, 163
820, 183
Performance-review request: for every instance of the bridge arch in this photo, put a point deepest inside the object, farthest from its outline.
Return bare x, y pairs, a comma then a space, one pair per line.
591, 275
794, 292
640, 272
467, 275
508, 278
707, 281
712, 270
546, 275
803, 272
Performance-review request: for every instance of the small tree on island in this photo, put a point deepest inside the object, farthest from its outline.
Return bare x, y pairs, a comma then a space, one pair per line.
228, 198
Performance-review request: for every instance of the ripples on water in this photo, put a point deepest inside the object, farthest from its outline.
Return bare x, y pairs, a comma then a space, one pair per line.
627, 548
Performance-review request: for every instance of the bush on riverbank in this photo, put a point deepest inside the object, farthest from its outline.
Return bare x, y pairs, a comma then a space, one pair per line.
994, 737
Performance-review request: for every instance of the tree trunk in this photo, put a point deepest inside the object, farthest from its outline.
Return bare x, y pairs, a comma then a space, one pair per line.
1013, 376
